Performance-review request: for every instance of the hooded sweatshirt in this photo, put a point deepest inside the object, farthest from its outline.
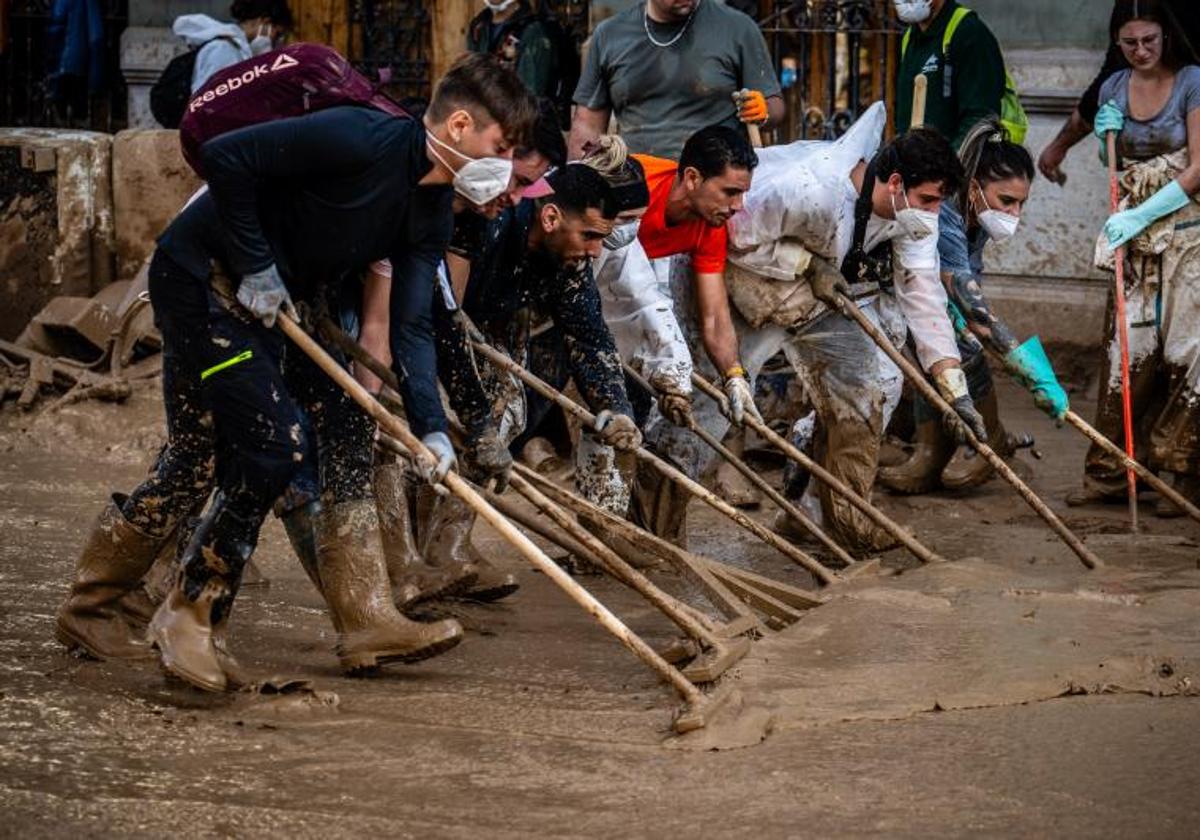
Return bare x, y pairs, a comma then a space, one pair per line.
221, 44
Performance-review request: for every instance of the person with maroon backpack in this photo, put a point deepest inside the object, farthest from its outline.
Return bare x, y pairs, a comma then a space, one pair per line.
291, 204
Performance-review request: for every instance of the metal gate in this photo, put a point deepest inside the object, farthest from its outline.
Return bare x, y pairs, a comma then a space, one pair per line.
844, 53
390, 40
31, 94
392, 44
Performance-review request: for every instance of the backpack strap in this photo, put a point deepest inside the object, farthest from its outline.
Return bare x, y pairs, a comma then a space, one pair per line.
852, 265
956, 17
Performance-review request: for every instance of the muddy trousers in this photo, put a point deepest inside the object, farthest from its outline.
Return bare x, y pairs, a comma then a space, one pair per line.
849, 381
840, 369
1164, 375
183, 474
242, 374
598, 476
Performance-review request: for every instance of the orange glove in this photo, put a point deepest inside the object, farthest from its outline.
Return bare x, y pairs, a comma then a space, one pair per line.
751, 105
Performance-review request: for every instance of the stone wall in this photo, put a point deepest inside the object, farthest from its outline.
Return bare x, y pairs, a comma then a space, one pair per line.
56, 219
151, 182
79, 210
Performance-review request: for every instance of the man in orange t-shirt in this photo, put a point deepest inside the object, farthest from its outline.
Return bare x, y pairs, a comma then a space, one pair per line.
690, 202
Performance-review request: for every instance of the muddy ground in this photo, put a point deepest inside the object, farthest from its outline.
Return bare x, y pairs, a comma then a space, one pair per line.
540, 725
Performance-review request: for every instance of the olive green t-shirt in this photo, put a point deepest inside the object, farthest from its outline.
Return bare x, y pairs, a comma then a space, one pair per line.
662, 95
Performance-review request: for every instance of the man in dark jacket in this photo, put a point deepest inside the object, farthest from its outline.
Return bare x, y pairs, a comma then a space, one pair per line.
293, 203
531, 269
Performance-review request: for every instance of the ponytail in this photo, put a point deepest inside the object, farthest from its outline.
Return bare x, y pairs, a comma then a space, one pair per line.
988, 155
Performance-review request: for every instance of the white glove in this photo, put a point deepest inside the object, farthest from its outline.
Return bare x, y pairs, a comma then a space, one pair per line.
443, 452
952, 385
741, 400
618, 431
264, 294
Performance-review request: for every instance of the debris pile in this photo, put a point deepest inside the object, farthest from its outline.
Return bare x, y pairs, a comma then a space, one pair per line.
80, 348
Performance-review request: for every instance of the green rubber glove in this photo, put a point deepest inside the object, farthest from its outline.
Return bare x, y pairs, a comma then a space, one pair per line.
1108, 118
1029, 364
1123, 226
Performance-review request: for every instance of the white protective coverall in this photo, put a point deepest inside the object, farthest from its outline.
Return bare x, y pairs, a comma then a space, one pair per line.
643, 325
800, 205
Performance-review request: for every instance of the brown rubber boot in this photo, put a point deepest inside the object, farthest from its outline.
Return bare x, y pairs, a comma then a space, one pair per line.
182, 630
445, 542
1187, 486
300, 524
111, 565
964, 473
371, 631
731, 485
413, 580
659, 505
922, 472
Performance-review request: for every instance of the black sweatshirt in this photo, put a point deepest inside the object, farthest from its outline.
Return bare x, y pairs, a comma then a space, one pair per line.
322, 196
511, 285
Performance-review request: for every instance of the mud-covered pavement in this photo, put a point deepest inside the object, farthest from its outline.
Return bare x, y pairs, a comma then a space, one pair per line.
539, 724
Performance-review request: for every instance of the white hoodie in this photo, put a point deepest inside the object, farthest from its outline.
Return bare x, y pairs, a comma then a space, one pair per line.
221, 44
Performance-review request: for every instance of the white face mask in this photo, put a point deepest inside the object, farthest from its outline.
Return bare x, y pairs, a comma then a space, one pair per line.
262, 42
917, 224
621, 236
997, 225
479, 180
913, 11
498, 7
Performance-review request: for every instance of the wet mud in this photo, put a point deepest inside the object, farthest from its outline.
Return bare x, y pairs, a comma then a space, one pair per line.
963, 698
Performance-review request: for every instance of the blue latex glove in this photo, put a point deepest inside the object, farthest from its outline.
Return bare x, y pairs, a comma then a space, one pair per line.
1108, 118
264, 294
1123, 226
1028, 363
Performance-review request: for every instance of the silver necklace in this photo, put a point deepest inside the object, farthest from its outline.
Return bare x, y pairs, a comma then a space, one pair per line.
678, 35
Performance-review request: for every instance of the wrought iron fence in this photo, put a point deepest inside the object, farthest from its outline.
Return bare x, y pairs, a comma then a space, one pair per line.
393, 44
34, 93
844, 54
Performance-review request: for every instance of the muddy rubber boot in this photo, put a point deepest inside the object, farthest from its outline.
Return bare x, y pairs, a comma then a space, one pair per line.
962, 474
1187, 486
730, 484
371, 631
413, 580
137, 606
659, 505
300, 524
922, 472
185, 627
182, 630
111, 565
445, 542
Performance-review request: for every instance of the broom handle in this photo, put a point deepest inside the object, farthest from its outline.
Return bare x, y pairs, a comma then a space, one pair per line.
1123, 336
459, 487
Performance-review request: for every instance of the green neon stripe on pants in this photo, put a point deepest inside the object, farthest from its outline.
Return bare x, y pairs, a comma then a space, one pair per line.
240, 357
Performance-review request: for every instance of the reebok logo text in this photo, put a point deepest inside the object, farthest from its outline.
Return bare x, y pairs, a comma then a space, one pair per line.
282, 62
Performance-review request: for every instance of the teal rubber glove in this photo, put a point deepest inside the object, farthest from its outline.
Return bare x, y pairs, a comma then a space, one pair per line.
1028, 363
1108, 118
1123, 226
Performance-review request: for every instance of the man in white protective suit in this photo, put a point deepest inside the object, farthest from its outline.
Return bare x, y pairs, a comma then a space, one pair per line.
847, 217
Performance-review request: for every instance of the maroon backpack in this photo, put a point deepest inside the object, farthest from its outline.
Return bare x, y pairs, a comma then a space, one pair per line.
289, 82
